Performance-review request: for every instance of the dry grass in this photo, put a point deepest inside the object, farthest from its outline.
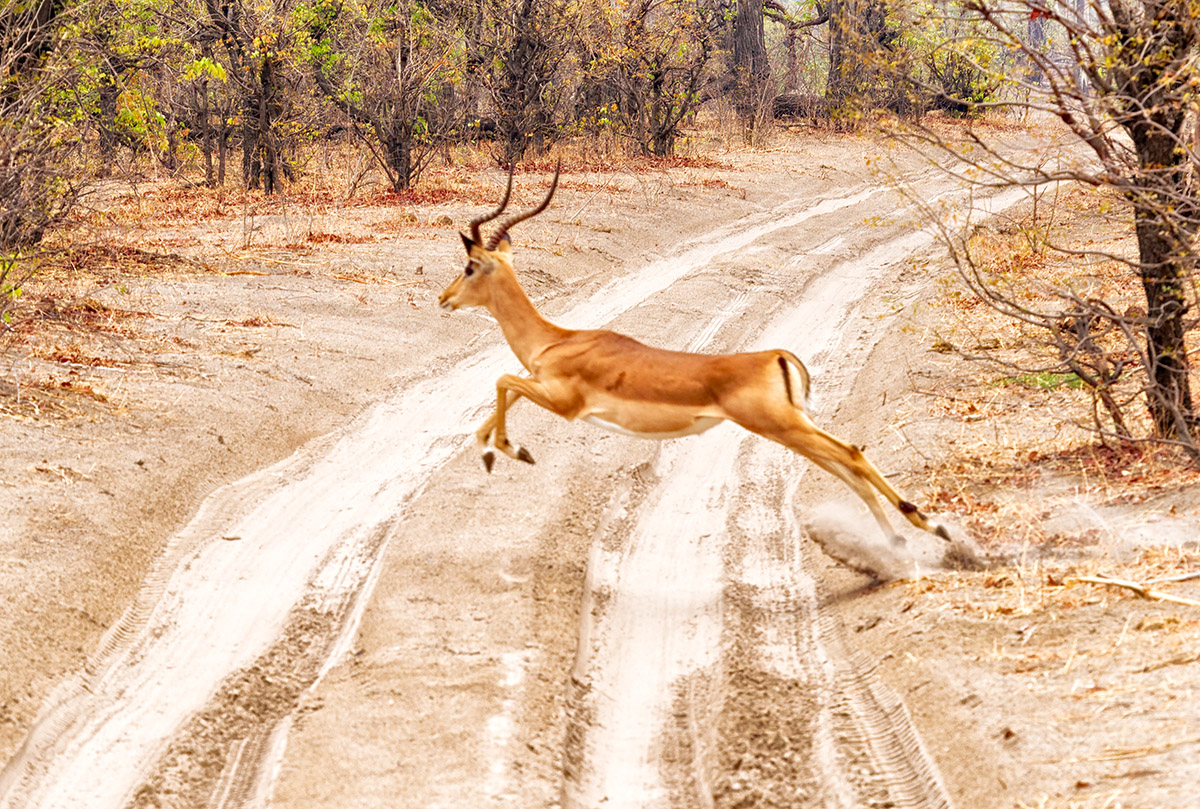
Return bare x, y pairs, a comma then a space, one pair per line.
459, 178
1007, 498
1026, 443
1067, 245
172, 229
1061, 512
151, 227
1038, 585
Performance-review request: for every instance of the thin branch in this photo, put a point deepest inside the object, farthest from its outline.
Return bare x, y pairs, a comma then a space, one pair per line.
1139, 589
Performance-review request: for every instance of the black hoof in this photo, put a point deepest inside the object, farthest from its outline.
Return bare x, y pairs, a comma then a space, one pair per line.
489, 458
942, 532
523, 455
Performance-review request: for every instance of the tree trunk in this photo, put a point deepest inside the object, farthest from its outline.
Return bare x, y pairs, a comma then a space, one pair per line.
1035, 32
518, 93
662, 134
250, 164
108, 92
1164, 218
203, 103
837, 87
30, 27
1164, 274
750, 63
206, 132
260, 152
859, 45
1081, 81
792, 82
111, 69
398, 143
222, 153
170, 156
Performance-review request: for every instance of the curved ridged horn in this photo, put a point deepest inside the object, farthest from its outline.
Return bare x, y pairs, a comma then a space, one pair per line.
495, 240
475, 223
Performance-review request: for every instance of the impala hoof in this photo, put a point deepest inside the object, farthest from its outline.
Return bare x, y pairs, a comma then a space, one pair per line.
942, 533
489, 458
523, 455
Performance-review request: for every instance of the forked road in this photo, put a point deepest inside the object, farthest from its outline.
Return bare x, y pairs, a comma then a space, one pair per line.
394, 628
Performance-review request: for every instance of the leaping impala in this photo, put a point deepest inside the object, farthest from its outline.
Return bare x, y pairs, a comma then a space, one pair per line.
615, 382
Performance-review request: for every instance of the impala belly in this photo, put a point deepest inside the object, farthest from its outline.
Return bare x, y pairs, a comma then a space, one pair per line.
655, 431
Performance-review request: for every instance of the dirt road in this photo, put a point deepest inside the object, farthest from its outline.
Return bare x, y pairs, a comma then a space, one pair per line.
374, 621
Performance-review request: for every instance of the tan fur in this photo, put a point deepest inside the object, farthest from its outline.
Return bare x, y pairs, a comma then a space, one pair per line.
615, 381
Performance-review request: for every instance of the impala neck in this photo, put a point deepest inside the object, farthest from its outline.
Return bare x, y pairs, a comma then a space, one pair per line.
524, 327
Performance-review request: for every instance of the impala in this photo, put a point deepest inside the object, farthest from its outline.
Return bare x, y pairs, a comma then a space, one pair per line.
615, 382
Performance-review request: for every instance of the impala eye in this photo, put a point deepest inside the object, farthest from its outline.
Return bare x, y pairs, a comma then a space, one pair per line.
469, 271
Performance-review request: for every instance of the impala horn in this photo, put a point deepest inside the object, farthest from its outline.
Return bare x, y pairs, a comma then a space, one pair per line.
495, 240
475, 223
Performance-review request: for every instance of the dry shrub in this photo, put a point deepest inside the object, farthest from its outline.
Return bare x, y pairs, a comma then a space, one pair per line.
1032, 436
1054, 308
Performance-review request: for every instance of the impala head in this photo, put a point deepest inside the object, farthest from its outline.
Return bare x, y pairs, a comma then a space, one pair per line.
486, 261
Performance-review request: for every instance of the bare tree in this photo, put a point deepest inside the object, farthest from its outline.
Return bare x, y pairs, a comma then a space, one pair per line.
99, 44
872, 50
1120, 74
529, 43
659, 67
208, 106
27, 36
252, 40
791, 102
867, 68
380, 64
751, 65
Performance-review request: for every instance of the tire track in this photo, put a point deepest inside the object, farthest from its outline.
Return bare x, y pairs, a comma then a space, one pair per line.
664, 601
231, 582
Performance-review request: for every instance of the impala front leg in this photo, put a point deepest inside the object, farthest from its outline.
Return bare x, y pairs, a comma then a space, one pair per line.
504, 400
484, 434
509, 389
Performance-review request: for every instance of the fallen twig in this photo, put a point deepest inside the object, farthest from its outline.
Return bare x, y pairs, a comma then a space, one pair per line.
1140, 589
1178, 660
1116, 754
581, 208
1195, 574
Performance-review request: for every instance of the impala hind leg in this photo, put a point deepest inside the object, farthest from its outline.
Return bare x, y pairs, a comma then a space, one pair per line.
865, 492
865, 470
913, 514
848, 464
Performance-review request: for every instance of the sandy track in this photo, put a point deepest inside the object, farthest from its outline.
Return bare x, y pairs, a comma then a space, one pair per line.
275, 565
665, 596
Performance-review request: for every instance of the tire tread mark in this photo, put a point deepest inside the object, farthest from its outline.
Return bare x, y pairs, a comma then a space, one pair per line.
878, 719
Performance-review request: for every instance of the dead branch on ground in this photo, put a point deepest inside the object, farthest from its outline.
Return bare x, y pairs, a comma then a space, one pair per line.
1139, 589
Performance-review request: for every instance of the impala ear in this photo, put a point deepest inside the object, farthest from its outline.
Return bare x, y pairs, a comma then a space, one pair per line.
468, 242
505, 244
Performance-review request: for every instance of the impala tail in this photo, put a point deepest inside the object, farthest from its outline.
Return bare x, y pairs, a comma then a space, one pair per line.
795, 379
